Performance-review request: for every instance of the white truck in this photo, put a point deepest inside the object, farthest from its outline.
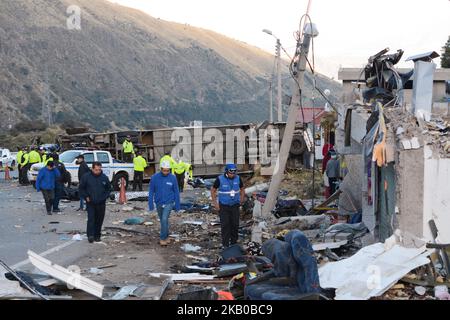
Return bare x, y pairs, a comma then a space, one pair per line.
112, 168
7, 158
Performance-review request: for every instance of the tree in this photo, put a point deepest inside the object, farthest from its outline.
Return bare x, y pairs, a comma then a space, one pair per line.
445, 58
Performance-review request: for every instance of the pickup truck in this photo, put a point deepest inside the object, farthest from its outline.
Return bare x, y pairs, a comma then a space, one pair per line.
112, 168
7, 158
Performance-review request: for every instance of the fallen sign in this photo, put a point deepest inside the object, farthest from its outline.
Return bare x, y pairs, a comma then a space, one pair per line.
71, 278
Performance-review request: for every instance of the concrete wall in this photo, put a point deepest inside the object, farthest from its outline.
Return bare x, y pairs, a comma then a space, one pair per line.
436, 197
410, 191
351, 186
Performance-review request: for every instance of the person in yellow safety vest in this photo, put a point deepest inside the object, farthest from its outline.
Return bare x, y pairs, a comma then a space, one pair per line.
24, 167
180, 170
139, 166
168, 158
19, 156
34, 156
128, 150
48, 158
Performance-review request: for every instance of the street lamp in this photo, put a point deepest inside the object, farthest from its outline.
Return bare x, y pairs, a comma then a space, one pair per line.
279, 93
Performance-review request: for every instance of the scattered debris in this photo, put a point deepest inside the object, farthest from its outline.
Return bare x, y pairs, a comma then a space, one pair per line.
351, 276
70, 277
134, 221
190, 248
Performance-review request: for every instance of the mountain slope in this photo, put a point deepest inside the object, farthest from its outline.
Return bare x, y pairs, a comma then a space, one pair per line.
124, 69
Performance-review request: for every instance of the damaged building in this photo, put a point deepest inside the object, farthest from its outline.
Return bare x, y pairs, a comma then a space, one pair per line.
393, 132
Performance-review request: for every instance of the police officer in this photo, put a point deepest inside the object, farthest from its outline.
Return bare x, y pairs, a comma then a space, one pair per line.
230, 190
128, 150
139, 166
24, 167
19, 157
34, 156
180, 170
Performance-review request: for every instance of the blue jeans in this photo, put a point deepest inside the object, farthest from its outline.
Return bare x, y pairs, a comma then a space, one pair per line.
163, 214
81, 203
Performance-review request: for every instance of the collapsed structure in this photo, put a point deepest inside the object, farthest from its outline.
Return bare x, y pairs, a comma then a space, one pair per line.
393, 132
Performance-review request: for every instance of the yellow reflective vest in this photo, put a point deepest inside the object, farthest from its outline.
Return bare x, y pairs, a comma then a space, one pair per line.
182, 167
128, 147
25, 158
19, 157
34, 157
47, 160
169, 159
139, 163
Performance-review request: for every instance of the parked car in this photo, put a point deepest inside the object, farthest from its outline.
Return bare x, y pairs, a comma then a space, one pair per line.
7, 158
114, 169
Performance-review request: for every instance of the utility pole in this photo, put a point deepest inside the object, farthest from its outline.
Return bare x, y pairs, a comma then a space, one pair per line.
271, 101
300, 67
278, 65
279, 105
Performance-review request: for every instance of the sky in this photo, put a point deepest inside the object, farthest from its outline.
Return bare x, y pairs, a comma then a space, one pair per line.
349, 30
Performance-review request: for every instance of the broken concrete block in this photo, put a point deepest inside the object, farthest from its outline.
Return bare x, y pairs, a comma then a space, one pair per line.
415, 144
406, 144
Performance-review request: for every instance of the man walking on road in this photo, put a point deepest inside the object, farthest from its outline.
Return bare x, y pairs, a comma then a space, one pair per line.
139, 166
59, 187
164, 192
231, 192
45, 182
95, 187
82, 170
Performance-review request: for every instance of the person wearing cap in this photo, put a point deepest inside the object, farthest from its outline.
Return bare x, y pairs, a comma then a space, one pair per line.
82, 170
46, 182
163, 191
128, 150
168, 158
231, 194
139, 166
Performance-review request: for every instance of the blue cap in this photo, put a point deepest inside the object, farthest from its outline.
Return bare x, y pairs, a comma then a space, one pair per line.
230, 166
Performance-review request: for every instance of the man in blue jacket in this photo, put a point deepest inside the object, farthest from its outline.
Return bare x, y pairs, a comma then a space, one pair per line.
164, 192
95, 188
231, 192
45, 182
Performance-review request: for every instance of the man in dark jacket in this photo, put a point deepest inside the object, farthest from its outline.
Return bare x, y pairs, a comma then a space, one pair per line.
95, 187
82, 170
45, 182
59, 186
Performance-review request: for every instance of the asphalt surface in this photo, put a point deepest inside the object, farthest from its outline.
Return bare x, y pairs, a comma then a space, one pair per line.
24, 225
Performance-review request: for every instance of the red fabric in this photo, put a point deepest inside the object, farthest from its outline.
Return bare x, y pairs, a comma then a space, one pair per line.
326, 157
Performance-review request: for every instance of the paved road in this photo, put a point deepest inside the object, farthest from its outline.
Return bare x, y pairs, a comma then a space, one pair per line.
24, 225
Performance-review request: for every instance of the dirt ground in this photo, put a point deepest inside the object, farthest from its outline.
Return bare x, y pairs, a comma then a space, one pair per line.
130, 257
